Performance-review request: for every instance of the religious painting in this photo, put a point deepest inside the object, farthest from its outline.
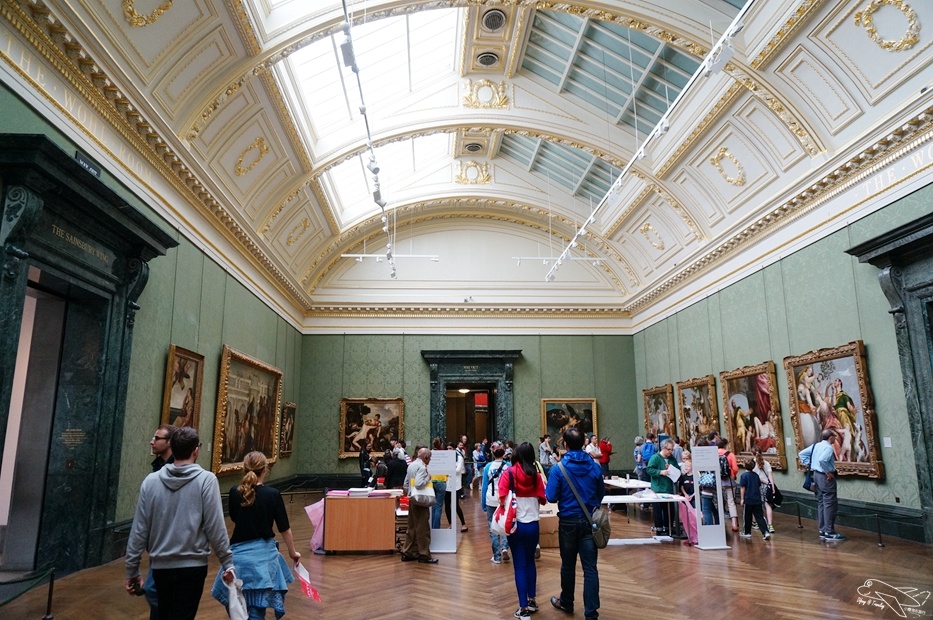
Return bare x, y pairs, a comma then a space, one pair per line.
184, 373
375, 420
752, 413
659, 410
699, 413
559, 414
248, 406
287, 439
829, 389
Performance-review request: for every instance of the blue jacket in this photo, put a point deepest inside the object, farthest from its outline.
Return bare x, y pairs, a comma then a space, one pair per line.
587, 478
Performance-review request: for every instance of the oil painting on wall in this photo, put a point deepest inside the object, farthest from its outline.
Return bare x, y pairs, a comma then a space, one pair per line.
559, 414
184, 374
753, 414
248, 405
698, 411
659, 410
287, 439
829, 389
370, 419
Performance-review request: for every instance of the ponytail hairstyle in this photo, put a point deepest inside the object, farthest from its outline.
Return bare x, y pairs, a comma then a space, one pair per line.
759, 459
254, 463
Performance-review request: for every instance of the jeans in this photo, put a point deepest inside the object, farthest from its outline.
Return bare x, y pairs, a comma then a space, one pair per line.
827, 503
152, 597
179, 591
498, 542
523, 543
710, 514
575, 536
440, 491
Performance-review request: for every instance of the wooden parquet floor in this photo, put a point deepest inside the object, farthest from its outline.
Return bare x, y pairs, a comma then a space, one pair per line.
793, 576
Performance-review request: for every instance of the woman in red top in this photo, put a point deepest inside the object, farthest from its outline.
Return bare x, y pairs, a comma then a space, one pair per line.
524, 479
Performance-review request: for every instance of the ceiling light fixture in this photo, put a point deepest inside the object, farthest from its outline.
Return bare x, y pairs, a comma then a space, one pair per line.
719, 54
464, 390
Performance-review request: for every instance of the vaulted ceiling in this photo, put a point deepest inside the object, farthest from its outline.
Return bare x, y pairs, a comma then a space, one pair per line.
509, 136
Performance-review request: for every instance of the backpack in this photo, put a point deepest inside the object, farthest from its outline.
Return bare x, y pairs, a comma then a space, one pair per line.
647, 451
725, 472
492, 496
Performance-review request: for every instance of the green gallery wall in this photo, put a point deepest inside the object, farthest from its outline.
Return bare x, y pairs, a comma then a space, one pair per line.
815, 298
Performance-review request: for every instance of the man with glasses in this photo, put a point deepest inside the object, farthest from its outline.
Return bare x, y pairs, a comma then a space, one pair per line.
179, 519
161, 447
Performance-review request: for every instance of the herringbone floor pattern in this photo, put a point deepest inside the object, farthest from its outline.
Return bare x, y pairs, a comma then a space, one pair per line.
794, 576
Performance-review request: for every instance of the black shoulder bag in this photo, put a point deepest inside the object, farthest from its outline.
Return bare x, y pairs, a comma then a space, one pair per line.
599, 520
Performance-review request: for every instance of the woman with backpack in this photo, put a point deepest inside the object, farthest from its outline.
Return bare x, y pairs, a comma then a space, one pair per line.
728, 469
493, 470
523, 479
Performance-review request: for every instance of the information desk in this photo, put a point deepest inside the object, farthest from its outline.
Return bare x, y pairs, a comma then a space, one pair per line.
359, 523
660, 498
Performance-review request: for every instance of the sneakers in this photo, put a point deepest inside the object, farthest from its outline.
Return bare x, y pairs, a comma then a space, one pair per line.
771, 528
833, 537
495, 560
523, 614
506, 555
538, 552
767, 536
744, 535
532, 606
822, 535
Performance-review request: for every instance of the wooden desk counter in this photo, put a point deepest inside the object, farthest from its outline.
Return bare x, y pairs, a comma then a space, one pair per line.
359, 523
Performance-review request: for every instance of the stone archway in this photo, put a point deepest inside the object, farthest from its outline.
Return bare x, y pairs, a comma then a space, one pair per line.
485, 366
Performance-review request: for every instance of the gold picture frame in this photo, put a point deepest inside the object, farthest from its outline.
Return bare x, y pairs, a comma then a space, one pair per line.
659, 410
184, 378
699, 413
249, 399
287, 426
559, 414
829, 388
752, 413
373, 419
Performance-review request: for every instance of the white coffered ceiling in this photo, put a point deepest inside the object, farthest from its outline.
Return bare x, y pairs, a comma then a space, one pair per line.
497, 127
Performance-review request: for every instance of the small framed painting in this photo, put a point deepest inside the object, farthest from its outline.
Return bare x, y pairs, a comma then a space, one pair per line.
184, 373
287, 439
753, 414
248, 411
829, 389
699, 413
559, 414
659, 410
375, 420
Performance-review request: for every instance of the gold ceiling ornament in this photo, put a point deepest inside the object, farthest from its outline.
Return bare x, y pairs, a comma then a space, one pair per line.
279, 209
681, 211
260, 144
716, 160
473, 173
486, 94
300, 229
799, 17
864, 19
654, 238
134, 19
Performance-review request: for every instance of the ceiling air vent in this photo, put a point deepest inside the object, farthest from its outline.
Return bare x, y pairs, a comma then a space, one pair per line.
473, 147
493, 20
488, 59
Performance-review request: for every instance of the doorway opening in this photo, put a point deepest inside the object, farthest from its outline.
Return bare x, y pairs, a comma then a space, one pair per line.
471, 411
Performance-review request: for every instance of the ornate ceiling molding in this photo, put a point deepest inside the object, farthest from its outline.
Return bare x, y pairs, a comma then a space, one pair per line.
910, 135
799, 17
52, 41
678, 208
244, 26
138, 20
472, 312
910, 37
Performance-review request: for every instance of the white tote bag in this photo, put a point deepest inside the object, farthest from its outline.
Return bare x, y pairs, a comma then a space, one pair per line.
236, 606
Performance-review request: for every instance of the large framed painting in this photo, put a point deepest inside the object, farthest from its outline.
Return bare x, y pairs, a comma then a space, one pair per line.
829, 388
698, 411
287, 440
370, 419
559, 414
659, 410
248, 406
184, 373
753, 413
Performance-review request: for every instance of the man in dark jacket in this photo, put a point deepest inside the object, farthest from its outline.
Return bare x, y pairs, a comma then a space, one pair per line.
575, 532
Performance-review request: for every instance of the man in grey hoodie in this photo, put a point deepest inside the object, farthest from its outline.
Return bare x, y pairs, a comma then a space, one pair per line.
179, 519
